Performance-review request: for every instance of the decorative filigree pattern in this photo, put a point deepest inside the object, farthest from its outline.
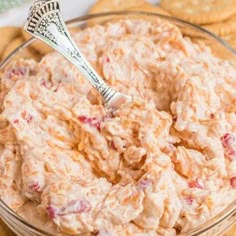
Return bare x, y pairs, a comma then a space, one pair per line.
42, 14
34, 8
43, 29
79, 58
45, 22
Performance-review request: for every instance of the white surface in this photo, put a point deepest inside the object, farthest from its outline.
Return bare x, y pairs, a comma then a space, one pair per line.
70, 9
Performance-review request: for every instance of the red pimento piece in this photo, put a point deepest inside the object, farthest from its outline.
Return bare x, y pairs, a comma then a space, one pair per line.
51, 212
233, 182
230, 153
35, 187
113, 146
16, 121
195, 184
75, 207
29, 118
83, 119
44, 83
20, 71
107, 59
93, 122
83, 206
189, 200
227, 140
26, 116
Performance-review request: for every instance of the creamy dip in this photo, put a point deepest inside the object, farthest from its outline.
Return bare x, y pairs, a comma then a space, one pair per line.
161, 164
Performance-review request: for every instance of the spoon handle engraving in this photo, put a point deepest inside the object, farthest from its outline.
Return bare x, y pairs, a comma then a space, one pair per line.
45, 23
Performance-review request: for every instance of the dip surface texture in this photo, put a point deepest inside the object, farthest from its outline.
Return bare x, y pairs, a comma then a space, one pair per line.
161, 164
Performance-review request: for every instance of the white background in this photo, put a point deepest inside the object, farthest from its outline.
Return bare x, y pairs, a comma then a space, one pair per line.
70, 9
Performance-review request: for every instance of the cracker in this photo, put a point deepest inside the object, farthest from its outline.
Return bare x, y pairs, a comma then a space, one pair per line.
231, 39
114, 5
4, 231
39, 46
218, 50
147, 7
200, 11
25, 53
223, 28
7, 34
122, 5
232, 231
42, 47
193, 33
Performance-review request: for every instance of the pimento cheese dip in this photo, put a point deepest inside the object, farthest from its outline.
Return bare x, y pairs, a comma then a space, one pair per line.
159, 165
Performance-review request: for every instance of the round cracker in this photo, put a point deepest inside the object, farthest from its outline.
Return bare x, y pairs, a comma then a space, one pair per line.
223, 28
7, 34
42, 47
147, 7
26, 53
114, 5
217, 48
39, 46
231, 231
4, 231
231, 39
119, 5
200, 11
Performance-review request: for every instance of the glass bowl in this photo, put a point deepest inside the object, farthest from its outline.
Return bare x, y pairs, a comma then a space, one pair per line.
215, 226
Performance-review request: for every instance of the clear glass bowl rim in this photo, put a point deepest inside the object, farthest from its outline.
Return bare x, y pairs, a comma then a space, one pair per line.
230, 210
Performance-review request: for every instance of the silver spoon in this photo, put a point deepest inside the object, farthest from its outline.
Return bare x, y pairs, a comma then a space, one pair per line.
45, 23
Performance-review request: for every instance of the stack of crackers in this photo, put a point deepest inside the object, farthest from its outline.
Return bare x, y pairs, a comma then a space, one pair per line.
217, 16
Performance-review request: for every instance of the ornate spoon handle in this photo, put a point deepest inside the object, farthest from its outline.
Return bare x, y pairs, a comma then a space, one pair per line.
45, 22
